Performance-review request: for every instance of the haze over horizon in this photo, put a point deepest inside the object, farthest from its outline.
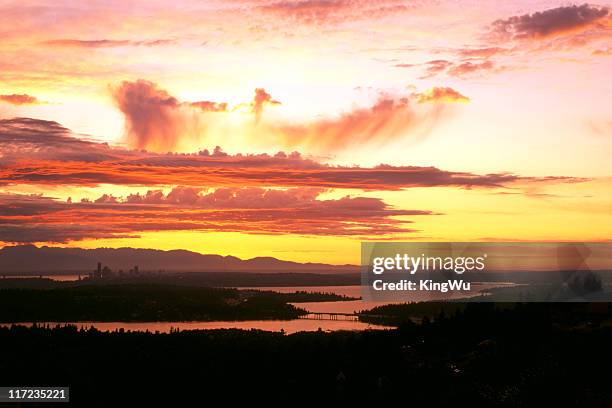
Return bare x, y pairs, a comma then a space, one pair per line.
26, 259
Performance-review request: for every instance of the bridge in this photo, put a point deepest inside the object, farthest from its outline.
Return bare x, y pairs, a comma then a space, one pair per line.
331, 316
351, 317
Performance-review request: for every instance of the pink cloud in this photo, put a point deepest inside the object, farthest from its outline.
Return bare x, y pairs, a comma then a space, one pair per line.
35, 218
551, 22
320, 12
42, 152
104, 43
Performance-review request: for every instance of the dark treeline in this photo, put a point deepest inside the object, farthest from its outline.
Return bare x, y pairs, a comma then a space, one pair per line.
301, 296
143, 302
570, 313
483, 356
396, 314
262, 279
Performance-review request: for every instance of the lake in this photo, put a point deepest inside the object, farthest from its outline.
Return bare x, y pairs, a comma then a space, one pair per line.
58, 278
289, 326
355, 306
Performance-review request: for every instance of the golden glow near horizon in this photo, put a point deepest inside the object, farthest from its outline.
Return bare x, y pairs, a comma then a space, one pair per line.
456, 86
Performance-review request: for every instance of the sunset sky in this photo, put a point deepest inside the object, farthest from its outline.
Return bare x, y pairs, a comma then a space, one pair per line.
297, 129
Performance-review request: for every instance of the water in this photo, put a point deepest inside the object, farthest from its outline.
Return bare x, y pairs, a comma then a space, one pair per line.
355, 306
58, 278
351, 291
289, 326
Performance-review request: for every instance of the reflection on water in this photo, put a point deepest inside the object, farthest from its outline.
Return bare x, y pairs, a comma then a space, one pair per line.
66, 278
355, 306
58, 278
350, 291
289, 326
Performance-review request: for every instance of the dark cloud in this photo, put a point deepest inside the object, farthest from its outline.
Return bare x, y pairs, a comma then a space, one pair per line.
43, 152
25, 139
17, 233
552, 22
561, 28
227, 198
19, 99
36, 218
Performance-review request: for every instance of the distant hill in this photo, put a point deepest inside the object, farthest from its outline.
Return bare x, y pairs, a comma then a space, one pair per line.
27, 259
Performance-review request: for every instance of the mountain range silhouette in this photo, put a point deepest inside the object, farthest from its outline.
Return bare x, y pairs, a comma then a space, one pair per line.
25, 259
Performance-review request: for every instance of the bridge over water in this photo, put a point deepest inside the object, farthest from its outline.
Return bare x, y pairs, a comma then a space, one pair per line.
353, 317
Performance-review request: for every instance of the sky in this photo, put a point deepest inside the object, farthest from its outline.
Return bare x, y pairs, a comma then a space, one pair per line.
298, 129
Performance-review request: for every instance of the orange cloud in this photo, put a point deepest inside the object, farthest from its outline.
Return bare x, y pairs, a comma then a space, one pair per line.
262, 98
484, 52
441, 94
19, 99
388, 119
157, 121
34, 218
44, 153
151, 117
